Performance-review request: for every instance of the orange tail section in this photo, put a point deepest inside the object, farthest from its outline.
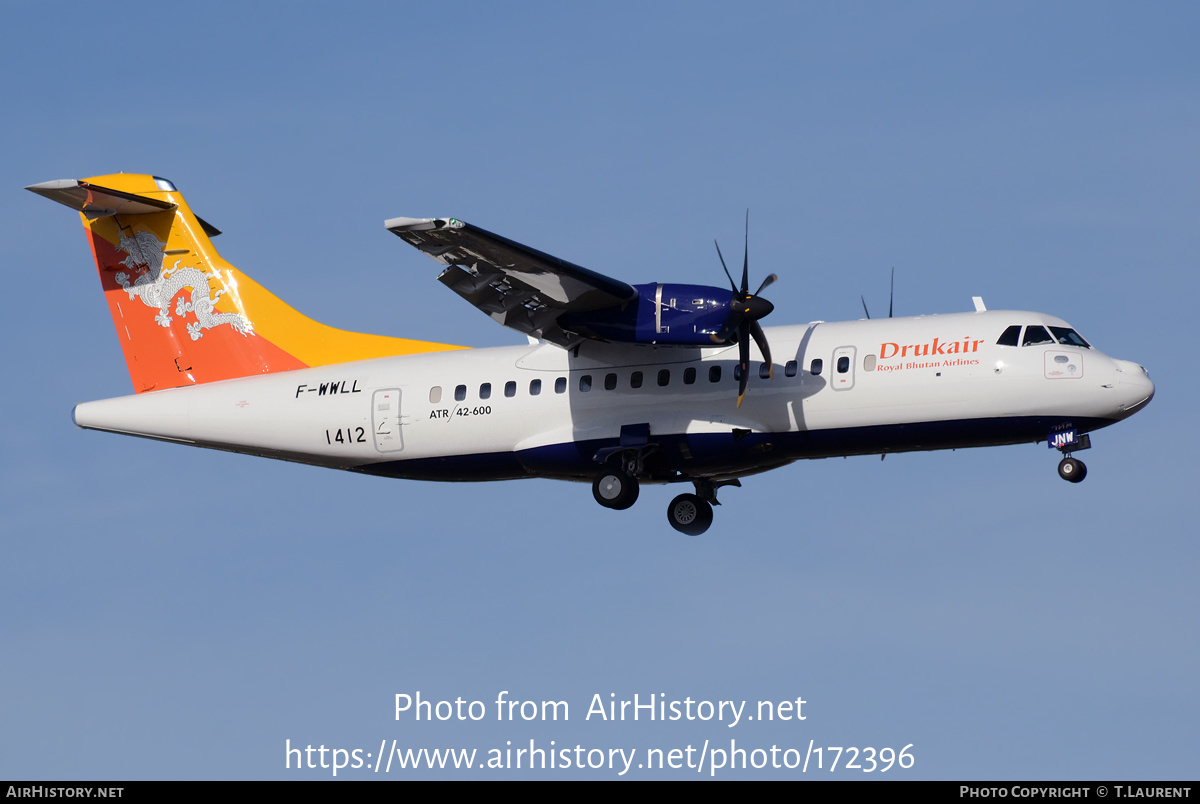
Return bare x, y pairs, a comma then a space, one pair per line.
183, 315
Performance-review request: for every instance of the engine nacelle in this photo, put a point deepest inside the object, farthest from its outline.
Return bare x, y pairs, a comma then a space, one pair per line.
684, 315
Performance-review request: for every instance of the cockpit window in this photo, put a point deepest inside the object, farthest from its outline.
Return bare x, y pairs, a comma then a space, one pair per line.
1069, 337
1035, 335
1010, 336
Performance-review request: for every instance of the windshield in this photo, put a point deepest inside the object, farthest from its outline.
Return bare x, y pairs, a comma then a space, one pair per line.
1069, 337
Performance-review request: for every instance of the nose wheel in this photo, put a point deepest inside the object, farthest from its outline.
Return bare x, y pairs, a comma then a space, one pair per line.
1072, 470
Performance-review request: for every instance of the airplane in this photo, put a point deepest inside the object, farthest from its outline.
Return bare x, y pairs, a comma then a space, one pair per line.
619, 385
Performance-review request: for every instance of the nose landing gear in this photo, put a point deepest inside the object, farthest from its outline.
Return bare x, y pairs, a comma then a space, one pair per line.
1070, 469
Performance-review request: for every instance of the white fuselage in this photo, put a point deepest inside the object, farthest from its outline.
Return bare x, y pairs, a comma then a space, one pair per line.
883, 385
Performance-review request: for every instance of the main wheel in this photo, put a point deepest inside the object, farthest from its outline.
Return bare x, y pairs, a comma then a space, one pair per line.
689, 514
1072, 470
615, 490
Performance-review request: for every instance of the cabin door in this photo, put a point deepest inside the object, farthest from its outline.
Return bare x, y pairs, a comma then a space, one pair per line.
385, 411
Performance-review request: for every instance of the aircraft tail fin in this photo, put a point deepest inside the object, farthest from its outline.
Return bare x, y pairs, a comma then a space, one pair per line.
184, 315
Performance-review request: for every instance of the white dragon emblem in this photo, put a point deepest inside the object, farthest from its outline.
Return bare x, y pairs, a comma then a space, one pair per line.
157, 286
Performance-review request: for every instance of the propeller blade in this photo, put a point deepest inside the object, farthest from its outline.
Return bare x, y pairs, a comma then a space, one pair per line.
760, 338
770, 280
722, 258
743, 359
727, 329
746, 259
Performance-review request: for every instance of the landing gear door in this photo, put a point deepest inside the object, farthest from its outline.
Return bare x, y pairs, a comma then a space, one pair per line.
385, 413
842, 376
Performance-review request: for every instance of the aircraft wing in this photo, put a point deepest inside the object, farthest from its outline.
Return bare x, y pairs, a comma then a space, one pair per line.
520, 287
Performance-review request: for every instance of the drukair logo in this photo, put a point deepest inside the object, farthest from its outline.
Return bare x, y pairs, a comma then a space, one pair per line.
936, 347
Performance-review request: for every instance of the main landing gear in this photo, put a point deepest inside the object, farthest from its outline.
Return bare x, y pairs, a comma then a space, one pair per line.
688, 513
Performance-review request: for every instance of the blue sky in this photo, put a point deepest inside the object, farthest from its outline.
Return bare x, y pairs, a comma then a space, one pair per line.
175, 613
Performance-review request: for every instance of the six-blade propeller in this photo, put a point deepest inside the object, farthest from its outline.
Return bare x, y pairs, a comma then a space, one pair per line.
746, 309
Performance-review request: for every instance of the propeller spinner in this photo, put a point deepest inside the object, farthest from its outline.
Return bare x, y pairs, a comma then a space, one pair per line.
745, 311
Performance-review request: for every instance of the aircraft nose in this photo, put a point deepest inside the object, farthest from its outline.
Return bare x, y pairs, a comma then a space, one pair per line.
1135, 387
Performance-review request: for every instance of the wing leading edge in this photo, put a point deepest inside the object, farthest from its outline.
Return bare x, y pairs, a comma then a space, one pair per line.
520, 287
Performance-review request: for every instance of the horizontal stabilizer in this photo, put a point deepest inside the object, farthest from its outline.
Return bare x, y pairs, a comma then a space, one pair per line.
98, 202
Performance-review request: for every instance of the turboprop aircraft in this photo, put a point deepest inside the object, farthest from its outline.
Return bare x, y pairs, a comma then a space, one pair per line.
618, 386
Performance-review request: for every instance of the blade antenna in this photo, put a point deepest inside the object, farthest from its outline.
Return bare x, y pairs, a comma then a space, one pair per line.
864, 301
892, 296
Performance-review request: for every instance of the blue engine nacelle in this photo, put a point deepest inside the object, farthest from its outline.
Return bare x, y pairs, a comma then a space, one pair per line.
684, 315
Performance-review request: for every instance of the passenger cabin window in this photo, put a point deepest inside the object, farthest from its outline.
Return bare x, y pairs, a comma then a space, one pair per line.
737, 372
814, 368
510, 389
560, 385
664, 377
610, 382
790, 368
635, 379
764, 371
843, 364
460, 393
535, 387
585, 382
1010, 336
869, 363
485, 391
689, 376
714, 374
1036, 335
435, 394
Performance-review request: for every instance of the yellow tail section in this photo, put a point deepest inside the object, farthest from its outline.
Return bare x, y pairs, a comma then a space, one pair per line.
183, 314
